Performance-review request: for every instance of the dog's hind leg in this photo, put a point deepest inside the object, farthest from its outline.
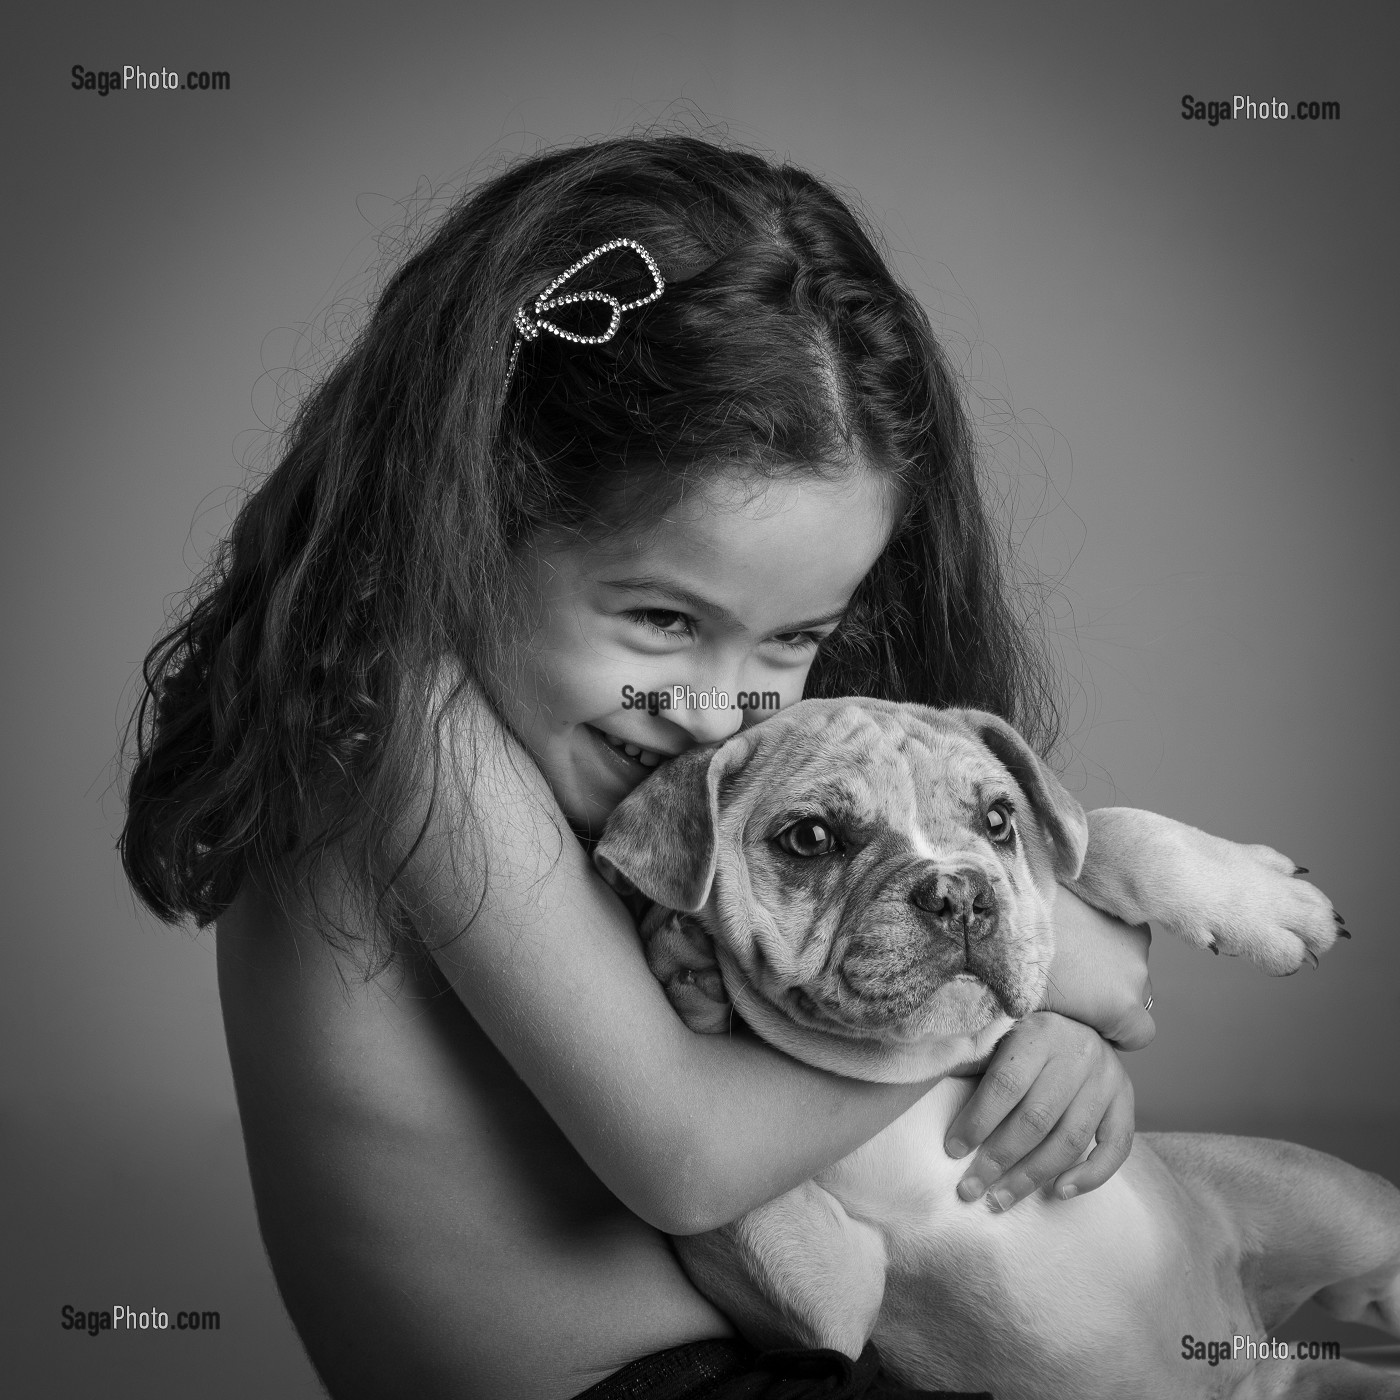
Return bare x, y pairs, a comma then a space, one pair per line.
797, 1271
1312, 1226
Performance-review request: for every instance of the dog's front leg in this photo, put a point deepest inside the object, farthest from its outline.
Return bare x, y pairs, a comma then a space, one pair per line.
1218, 894
798, 1271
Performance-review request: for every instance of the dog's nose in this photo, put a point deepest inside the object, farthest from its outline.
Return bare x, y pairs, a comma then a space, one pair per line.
954, 896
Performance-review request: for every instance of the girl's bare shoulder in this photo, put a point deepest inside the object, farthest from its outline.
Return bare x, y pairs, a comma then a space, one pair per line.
473, 777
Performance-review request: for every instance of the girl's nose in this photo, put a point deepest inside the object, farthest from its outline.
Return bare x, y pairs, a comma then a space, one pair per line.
706, 715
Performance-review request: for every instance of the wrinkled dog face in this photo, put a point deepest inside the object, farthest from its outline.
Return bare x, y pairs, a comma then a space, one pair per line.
875, 878
870, 870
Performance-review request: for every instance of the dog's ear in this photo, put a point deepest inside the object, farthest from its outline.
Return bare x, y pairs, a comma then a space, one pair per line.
1061, 816
661, 839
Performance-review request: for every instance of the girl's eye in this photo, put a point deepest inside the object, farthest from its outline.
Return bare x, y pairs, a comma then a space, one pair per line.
809, 837
664, 620
999, 826
797, 641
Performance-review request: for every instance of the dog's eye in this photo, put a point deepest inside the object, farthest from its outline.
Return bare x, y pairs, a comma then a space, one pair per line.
809, 837
999, 823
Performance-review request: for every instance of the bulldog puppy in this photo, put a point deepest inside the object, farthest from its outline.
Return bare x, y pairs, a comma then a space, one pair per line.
869, 886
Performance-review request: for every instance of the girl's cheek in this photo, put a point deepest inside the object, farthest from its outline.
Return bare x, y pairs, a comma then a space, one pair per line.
787, 687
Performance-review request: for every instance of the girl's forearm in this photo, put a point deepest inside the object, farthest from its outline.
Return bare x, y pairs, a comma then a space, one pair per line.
751, 1124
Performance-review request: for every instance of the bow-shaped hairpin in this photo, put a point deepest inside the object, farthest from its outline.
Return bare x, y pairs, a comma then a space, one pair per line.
530, 318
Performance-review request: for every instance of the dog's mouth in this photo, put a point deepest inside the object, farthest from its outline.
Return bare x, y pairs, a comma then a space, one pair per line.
997, 981
961, 1004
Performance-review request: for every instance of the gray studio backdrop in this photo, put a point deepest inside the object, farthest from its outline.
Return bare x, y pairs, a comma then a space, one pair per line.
1181, 338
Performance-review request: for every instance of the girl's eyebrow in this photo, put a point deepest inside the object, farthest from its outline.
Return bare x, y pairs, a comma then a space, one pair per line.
646, 583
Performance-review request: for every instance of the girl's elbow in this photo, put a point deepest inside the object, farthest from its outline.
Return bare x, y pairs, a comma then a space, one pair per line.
679, 1212
703, 1194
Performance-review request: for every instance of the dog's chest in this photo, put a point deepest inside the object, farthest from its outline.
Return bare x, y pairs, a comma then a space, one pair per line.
904, 1184
902, 1180
1051, 1270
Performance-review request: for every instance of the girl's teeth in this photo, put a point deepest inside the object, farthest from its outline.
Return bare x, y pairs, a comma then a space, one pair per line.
643, 756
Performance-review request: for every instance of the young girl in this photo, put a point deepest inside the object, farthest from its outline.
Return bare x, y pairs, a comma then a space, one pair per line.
647, 413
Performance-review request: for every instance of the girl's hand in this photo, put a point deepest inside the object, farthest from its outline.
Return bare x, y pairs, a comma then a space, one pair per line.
1099, 973
1050, 1088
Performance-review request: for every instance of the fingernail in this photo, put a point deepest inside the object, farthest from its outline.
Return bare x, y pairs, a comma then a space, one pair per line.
954, 1148
999, 1199
1068, 1193
969, 1188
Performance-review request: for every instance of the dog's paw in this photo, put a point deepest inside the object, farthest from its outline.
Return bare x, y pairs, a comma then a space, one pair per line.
681, 956
1246, 901
1243, 901
700, 1002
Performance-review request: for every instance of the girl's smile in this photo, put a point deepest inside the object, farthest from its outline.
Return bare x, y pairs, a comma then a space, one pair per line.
729, 595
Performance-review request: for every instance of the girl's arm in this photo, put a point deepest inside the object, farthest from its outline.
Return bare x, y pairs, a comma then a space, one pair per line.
1099, 973
687, 1131
1098, 979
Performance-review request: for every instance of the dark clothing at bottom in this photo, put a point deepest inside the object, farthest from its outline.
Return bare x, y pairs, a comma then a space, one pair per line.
728, 1369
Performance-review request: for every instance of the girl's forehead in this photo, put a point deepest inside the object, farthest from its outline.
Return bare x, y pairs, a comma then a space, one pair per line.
763, 556
735, 516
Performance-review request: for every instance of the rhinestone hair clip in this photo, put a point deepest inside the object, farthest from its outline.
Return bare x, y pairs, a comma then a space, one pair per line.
530, 318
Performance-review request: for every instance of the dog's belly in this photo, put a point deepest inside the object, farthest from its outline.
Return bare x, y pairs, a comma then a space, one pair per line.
1084, 1298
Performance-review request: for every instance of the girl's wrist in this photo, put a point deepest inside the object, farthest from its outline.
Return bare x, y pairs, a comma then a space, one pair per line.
1099, 973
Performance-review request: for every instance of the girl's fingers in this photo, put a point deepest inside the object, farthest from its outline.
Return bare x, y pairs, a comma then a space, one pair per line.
1115, 1142
1053, 1087
1016, 1064
1050, 1130
1093, 1112
1040, 1115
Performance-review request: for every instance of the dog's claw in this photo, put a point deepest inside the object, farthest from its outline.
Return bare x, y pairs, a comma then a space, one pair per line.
1338, 917
1311, 956
1300, 870
1214, 947
1343, 932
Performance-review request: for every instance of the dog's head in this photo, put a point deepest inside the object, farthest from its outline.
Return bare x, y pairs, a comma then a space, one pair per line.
870, 873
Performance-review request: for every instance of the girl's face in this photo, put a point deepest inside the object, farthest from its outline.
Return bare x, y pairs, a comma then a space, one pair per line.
641, 646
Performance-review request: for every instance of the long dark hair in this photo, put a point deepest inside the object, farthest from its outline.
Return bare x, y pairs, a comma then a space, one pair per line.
384, 540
